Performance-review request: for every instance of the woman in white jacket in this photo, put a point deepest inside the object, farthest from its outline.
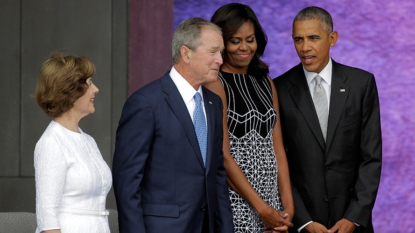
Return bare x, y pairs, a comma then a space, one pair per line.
72, 179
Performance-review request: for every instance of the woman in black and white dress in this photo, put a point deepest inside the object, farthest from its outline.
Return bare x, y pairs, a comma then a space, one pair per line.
254, 155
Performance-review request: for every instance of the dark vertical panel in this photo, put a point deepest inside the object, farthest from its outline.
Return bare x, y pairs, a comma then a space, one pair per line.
9, 87
119, 72
74, 27
17, 194
119, 61
151, 27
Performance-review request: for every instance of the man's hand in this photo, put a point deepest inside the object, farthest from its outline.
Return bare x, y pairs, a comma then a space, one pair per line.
315, 227
343, 226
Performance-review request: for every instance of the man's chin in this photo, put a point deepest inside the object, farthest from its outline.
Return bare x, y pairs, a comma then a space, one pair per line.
212, 76
308, 67
213, 79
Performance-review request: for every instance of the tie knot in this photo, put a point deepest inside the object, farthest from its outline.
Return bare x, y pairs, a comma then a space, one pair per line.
198, 97
318, 79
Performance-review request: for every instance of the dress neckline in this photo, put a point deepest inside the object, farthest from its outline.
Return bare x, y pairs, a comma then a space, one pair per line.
232, 73
68, 130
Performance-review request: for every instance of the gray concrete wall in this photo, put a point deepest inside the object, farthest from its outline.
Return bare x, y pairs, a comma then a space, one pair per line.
30, 31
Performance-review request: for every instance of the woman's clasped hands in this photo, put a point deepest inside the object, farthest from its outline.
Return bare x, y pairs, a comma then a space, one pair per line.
276, 221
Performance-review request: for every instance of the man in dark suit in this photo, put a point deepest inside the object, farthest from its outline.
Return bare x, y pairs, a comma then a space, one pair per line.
168, 164
331, 129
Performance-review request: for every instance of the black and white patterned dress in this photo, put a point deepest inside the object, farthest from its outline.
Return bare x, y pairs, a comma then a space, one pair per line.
251, 118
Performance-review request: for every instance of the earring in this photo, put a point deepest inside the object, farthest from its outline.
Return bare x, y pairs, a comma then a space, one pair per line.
73, 103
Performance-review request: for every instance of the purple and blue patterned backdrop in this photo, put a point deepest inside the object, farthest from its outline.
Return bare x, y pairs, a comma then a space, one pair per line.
374, 35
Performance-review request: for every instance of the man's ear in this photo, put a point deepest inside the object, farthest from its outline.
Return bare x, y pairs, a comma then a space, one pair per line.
185, 53
333, 38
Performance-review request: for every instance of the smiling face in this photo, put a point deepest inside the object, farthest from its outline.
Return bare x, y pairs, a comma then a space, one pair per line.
84, 105
313, 44
240, 49
205, 61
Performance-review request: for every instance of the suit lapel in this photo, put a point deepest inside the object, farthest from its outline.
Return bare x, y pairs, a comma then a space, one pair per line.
300, 93
339, 94
209, 108
175, 101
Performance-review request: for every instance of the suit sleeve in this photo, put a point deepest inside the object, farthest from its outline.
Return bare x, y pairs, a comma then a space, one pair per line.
132, 148
223, 213
367, 183
301, 215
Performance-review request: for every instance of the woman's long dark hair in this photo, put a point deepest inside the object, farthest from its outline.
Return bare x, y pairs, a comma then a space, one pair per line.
230, 18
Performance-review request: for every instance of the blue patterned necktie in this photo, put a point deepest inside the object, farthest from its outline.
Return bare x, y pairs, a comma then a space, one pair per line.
199, 123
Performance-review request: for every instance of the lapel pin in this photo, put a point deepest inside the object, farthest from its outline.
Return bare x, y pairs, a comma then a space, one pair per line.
342, 90
210, 102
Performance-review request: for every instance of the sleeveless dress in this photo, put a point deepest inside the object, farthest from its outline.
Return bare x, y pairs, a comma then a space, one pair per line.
70, 175
251, 118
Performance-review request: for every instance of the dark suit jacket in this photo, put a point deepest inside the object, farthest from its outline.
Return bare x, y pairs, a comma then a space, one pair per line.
160, 182
340, 178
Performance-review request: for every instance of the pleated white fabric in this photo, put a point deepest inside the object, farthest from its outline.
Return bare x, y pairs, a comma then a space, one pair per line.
70, 173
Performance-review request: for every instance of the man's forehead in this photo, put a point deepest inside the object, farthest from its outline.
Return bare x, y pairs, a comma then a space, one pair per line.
312, 26
207, 31
211, 38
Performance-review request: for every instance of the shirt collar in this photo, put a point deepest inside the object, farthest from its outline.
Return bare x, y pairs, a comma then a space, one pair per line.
326, 73
185, 89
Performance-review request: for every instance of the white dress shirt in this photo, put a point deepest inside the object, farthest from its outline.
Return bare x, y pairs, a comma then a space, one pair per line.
187, 92
326, 75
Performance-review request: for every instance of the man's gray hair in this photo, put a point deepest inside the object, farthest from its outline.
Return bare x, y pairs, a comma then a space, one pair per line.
188, 34
314, 12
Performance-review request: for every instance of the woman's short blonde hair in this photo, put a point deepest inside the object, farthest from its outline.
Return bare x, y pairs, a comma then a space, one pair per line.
61, 81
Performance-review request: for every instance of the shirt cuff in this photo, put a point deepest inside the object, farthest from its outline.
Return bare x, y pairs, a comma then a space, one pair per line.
302, 227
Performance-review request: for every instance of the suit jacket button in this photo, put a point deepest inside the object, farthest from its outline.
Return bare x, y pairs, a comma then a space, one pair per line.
202, 209
326, 198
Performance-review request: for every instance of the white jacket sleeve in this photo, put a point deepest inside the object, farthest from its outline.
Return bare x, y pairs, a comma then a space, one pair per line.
50, 175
